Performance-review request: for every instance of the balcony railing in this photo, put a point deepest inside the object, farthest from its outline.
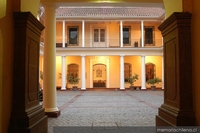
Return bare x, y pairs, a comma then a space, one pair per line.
108, 43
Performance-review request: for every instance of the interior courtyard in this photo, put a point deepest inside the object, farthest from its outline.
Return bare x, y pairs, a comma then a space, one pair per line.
102, 44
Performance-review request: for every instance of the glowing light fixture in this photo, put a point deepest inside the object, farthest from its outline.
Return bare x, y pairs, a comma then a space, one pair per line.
107, 1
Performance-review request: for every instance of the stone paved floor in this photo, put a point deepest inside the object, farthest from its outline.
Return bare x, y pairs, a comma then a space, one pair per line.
106, 108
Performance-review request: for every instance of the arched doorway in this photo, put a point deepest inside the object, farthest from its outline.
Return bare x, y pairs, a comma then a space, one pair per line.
99, 75
150, 71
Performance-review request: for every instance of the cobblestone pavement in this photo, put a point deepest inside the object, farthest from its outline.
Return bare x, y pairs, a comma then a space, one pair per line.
106, 108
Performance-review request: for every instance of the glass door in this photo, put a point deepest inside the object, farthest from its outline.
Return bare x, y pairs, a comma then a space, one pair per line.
99, 37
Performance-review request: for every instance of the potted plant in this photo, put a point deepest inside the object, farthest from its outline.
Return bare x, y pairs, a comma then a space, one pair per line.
154, 81
73, 80
132, 79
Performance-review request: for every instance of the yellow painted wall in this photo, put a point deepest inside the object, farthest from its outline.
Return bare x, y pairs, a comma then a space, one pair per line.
30, 5
114, 71
172, 6
114, 34
87, 69
59, 28
58, 70
87, 34
3, 8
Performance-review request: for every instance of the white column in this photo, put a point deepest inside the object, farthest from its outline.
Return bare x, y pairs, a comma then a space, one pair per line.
108, 74
143, 73
63, 87
83, 72
91, 35
163, 73
121, 33
49, 90
83, 33
142, 33
63, 34
91, 73
122, 72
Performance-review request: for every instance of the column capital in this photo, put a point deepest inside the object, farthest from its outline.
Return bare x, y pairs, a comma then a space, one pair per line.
49, 4
121, 55
143, 55
83, 55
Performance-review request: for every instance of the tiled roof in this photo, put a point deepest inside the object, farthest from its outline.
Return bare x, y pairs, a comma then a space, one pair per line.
151, 12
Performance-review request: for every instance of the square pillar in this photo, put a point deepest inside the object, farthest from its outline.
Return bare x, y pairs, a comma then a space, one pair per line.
177, 109
27, 116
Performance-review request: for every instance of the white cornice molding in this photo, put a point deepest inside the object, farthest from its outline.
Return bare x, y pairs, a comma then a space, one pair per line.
158, 51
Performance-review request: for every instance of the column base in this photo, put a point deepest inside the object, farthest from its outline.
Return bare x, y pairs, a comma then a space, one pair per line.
53, 114
63, 89
170, 116
122, 89
29, 121
83, 89
36, 128
162, 122
143, 88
